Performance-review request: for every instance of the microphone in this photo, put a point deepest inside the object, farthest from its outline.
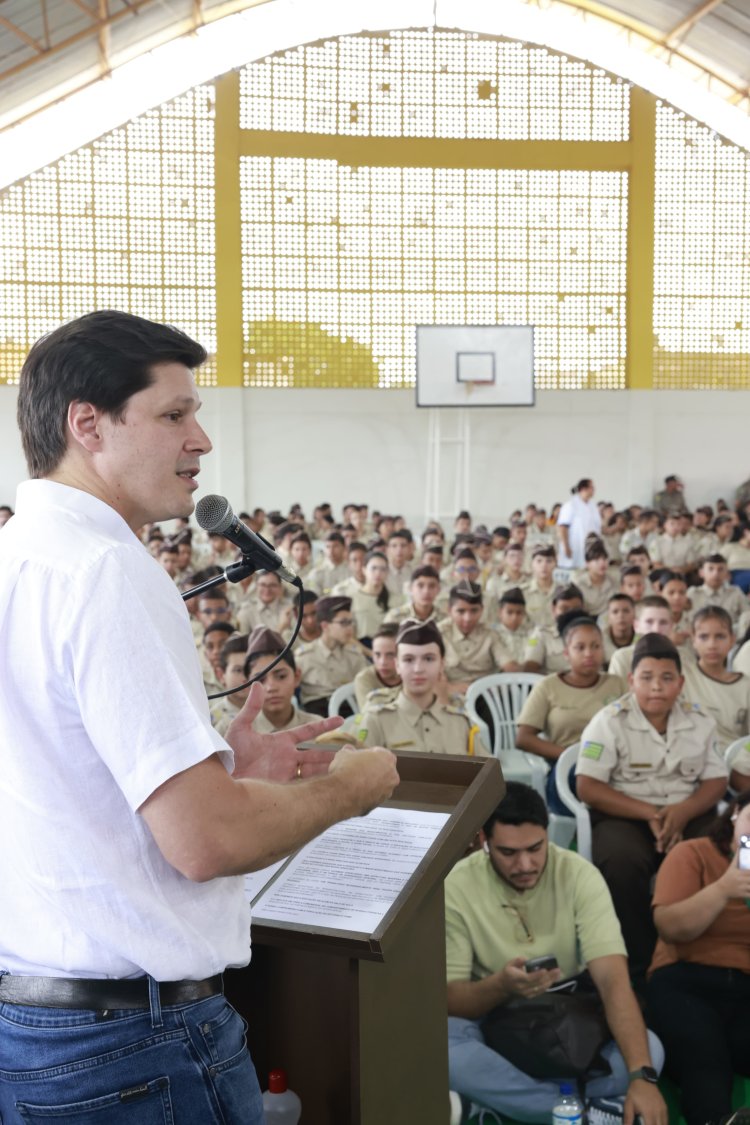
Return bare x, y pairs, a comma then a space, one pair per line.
215, 515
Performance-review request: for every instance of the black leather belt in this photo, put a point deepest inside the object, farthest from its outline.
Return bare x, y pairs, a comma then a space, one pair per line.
101, 995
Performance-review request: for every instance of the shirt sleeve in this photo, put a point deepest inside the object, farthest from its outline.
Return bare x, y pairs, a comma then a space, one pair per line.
597, 928
369, 729
536, 708
714, 765
597, 756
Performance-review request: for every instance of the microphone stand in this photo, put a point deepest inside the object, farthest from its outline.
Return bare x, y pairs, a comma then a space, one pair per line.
235, 572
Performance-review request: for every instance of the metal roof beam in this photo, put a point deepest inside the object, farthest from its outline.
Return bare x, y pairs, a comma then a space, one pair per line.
680, 30
33, 43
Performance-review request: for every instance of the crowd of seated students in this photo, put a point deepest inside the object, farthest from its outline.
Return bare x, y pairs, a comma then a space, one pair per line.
634, 649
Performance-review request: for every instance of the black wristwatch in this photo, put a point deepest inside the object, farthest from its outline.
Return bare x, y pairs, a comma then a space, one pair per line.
647, 1073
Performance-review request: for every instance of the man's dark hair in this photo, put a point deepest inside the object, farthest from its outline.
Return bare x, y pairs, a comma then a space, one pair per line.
520, 805
219, 627
657, 647
721, 830
287, 658
103, 358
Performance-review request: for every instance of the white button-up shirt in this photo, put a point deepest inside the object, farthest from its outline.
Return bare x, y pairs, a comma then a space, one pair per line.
101, 701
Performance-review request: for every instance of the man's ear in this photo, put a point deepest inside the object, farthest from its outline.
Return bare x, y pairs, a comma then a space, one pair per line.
84, 425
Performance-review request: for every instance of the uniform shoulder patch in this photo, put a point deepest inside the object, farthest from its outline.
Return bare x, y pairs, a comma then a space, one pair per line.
690, 708
593, 750
385, 703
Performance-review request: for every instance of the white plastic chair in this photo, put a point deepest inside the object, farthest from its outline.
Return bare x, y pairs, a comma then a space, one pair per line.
342, 695
733, 751
563, 766
504, 694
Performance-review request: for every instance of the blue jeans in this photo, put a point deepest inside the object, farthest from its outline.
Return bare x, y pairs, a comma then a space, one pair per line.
479, 1073
182, 1065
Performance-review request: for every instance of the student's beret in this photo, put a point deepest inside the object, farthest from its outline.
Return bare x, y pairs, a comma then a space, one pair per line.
414, 632
467, 591
513, 596
265, 640
327, 608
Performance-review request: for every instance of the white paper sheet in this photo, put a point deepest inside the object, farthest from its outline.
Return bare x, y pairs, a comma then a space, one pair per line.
349, 877
255, 881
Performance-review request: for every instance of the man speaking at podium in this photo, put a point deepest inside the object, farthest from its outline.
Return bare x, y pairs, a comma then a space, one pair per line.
127, 822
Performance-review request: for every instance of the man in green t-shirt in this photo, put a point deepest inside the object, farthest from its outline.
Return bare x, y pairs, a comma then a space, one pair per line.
518, 899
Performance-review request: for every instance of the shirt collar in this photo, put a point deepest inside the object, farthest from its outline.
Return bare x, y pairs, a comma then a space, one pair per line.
412, 712
37, 497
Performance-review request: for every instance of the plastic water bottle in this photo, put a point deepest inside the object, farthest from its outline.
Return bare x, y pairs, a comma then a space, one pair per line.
568, 1108
281, 1106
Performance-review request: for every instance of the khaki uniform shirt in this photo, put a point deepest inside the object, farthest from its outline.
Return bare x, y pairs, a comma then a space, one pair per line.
323, 577
368, 615
398, 580
539, 603
348, 587
324, 669
562, 711
513, 643
253, 613
737, 556
569, 913
545, 647
610, 648
368, 681
467, 658
622, 660
621, 747
398, 724
264, 726
741, 661
728, 597
727, 704
596, 598
402, 612
673, 550
499, 583
223, 712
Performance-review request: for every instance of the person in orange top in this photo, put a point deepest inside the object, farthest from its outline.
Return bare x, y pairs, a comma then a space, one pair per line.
699, 986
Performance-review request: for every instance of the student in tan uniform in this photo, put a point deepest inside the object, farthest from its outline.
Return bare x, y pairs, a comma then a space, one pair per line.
539, 590
738, 560
424, 589
672, 549
472, 650
213, 606
398, 552
230, 674
650, 771
513, 572
595, 584
300, 554
415, 719
545, 650
513, 628
356, 553
674, 589
723, 695
334, 659
214, 639
267, 607
371, 601
332, 568
632, 582
716, 589
381, 675
280, 710
652, 615
310, 628
619, 631
560, 705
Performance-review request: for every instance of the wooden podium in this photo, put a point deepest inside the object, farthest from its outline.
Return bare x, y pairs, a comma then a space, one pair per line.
359, 1021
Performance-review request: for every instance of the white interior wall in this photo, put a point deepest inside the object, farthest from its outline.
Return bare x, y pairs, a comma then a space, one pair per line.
275, 447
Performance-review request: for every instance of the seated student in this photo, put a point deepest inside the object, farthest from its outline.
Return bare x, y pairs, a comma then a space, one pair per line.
539, 590
333, 659
619, 630
168, 557
500, 540
463, 567
642, 534
595, 584
699, 987
398, 551
639, 556
309, 629
268, 605
673, 549
424, 589
652, 615
560, 705
513, 629
214, 639
674, 589
370, 602
539, 534
723, 695
545, 649
211, 607
471, 649
381, 674
520, 898
300, 554
650, 771
716, 589
513, 572
332, 568
612, 533
433, 556
356, 553
738, 560
279, 710
632, 582
414, 718
230, 673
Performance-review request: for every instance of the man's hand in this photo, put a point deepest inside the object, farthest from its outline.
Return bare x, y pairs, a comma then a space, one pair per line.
644, 1098
275, 757
673, 819
517, 982
370, 775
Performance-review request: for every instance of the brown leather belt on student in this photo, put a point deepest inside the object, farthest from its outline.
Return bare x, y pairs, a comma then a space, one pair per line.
101, 995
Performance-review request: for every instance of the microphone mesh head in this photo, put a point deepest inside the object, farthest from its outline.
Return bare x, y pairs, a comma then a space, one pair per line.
214, 513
